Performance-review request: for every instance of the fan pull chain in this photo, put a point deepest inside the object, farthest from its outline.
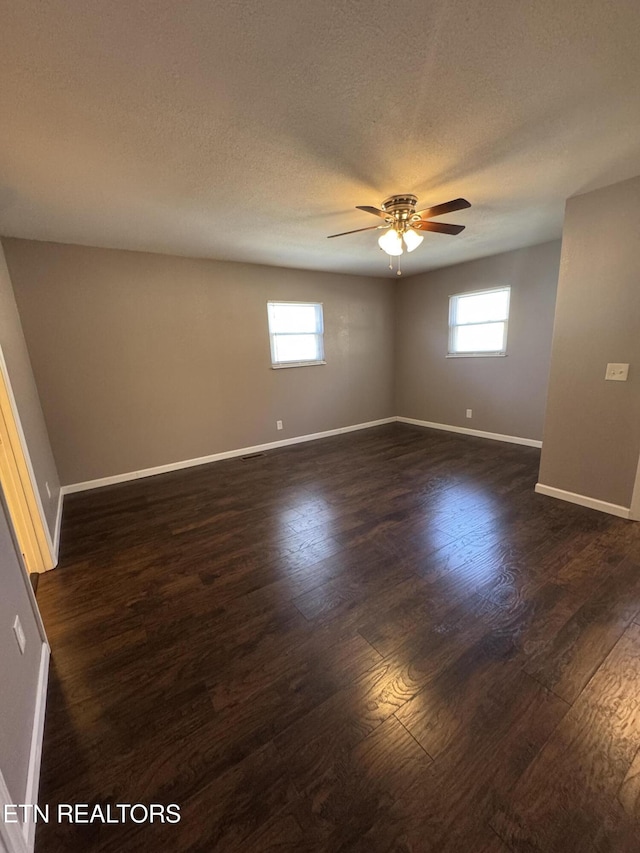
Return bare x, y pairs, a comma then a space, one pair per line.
399, 271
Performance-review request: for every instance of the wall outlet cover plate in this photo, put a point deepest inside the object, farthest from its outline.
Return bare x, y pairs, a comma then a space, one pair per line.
617, 372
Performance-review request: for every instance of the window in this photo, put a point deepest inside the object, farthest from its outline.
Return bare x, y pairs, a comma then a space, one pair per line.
478, 322
296, 331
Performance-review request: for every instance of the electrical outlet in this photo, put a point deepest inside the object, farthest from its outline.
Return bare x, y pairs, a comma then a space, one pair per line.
469, 413
20, 637
278, 424
618, 372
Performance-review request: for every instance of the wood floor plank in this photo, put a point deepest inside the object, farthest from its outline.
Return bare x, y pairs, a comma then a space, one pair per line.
629, 793
280, 834
356, 788
562, 799
576, 652
472, 775
483, 721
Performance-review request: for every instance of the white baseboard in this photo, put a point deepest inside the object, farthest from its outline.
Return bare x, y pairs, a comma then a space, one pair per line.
17, 837
56, 535
634, 512
494, 436
35, 756
583, 500
12, 839
215, 457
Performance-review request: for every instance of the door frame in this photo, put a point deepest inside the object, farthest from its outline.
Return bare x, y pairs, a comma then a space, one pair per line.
19, 483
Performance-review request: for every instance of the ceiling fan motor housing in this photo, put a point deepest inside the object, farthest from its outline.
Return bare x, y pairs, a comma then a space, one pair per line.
400, 207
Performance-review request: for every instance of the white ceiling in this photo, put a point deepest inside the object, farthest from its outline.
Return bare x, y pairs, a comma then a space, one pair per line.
249, 129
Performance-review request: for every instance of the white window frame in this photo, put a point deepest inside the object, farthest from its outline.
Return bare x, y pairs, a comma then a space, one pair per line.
279, 365
453, 326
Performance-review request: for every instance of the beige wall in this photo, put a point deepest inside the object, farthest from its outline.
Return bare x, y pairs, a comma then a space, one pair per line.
592, 429
506, 395
18, 672
24, 388
143, 360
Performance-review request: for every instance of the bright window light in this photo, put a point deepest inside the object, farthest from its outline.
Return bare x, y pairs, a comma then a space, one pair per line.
296, 331
478, 322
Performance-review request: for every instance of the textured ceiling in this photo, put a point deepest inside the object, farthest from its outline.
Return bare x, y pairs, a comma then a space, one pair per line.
249, 130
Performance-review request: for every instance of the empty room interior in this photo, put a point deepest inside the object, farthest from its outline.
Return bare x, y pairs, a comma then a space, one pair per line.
320, 426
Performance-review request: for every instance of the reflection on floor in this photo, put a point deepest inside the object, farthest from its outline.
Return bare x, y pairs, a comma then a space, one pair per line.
383, 641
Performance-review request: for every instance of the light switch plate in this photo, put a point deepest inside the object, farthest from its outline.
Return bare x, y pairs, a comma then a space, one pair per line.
617, 372
20, 637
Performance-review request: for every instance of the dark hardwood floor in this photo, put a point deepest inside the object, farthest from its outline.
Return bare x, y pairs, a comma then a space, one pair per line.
383, 641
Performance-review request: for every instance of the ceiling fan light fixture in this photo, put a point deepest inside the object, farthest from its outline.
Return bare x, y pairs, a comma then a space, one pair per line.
411, 239
405, 226
391, 242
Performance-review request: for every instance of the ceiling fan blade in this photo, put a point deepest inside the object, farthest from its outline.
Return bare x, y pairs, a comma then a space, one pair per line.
344, 233
440, 227
447, 207
373, 210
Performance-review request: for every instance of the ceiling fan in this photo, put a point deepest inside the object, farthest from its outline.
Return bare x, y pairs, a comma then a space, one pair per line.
403, 223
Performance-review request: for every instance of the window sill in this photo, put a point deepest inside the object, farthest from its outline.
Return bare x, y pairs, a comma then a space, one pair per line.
296, 364
476, 355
